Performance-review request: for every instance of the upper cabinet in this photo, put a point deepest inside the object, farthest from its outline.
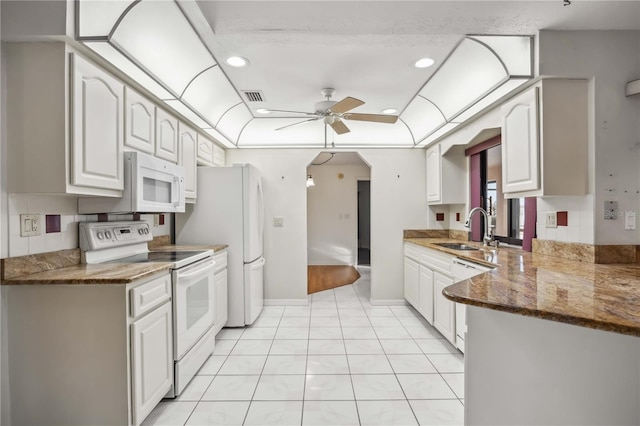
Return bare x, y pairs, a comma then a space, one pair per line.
187, 146
543, 130
139, 122
96, 133
446, 176
64, 123
209, 153
166, 136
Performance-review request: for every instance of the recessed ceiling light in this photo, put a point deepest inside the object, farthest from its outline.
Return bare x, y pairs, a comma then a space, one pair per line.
424, 63
237, 61
389, 111
263, 111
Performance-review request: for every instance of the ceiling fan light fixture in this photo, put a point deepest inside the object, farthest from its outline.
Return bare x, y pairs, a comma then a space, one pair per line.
389, 111
237, 61
424, 63
310, 181
263, 111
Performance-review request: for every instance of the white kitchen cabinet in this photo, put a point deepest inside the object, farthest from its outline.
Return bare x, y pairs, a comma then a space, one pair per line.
139, 122
64, 122
97, 117
166, 136
412, 282
102, 354
219, 155
444, 310
187, 147
221, 283
425, 306
205, 151
544, 129
446, 176
151, 360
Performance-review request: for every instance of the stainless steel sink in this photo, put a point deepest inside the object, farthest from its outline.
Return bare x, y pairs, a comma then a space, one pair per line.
457, 246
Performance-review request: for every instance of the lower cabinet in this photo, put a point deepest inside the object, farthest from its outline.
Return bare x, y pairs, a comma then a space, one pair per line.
151, 360
426, 273
444, 310
88, 354
222, 298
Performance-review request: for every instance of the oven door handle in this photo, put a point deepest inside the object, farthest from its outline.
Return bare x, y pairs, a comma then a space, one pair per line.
203, 271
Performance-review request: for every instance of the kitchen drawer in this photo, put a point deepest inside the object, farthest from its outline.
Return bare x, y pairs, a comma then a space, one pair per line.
221, 261
436, 260
412, 251
147, 296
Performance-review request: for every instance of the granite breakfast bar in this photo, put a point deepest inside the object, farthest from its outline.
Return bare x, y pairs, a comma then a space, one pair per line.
549, 341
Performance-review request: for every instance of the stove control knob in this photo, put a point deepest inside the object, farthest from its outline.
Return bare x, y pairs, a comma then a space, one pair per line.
140, 231
100, 235
146, 230
108, 234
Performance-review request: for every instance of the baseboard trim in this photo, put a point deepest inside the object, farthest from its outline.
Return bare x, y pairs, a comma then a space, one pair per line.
286, 302
388, 302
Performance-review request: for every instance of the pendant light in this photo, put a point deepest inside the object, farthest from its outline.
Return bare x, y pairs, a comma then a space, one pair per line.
310, 181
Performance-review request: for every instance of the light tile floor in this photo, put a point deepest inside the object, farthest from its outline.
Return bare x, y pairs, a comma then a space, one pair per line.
339, 361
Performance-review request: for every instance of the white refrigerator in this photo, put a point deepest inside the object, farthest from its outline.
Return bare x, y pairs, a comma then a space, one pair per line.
230, 210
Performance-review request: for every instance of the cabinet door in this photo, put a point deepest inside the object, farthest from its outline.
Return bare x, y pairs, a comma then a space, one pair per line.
187, 144
222, 308
139, 122
434, 183
97, 127
166, 136
520, 142
219, 156
444, 310
461, 325
426, 294
412, 282
151, 360
205, 151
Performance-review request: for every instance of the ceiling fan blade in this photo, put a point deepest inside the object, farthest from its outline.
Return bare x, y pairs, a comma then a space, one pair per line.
299, 122
339, 127
377, 118
292, 112
346, 104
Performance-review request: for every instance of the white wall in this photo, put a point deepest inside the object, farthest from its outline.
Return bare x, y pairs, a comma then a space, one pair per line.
332, 214
609, 59
398, 202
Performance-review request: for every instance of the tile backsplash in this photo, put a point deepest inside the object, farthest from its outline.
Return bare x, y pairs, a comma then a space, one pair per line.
67, 208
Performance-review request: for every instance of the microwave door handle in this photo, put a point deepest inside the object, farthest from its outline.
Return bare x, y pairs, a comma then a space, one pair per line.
177, 203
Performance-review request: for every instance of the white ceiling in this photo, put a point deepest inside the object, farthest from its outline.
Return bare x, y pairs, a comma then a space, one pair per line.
366, 49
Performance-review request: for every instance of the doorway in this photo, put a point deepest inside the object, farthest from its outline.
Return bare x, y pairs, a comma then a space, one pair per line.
364, 222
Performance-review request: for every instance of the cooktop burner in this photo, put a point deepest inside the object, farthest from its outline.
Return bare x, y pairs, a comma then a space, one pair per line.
158, 256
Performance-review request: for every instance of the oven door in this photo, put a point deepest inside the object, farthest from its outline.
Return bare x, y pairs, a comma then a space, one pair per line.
193, 304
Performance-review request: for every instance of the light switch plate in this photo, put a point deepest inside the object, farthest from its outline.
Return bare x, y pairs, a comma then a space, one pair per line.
551, 220
30, 225
630, 220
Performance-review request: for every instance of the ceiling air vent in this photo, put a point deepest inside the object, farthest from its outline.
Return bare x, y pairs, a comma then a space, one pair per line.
253, 95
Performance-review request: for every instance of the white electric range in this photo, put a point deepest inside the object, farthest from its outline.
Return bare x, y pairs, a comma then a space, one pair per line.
192, 281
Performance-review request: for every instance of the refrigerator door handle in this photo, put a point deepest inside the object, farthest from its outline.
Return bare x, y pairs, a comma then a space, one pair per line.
261, 210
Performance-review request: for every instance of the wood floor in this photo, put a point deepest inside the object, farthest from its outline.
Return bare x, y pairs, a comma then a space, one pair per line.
324, 277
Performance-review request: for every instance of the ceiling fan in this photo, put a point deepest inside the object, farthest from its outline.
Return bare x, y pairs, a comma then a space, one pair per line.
332, 113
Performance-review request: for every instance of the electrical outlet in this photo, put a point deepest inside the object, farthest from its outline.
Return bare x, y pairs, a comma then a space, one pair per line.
278, 222
30, 225
550, 220
611, 210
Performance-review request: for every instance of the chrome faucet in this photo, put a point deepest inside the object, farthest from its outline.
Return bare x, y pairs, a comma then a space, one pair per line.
488, 228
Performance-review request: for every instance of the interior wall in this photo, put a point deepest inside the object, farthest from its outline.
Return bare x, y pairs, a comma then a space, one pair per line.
609, 59
398, 202
332, 214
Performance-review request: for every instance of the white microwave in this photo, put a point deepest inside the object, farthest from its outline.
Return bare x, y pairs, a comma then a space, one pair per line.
151, 185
